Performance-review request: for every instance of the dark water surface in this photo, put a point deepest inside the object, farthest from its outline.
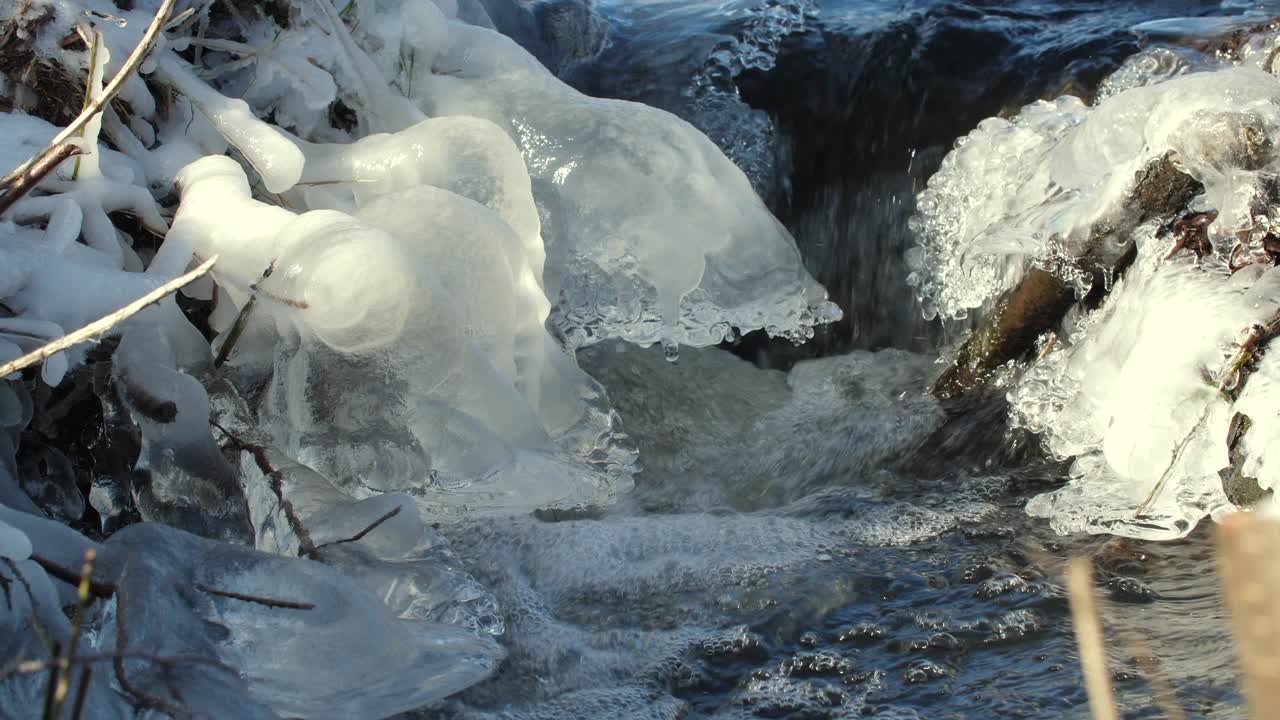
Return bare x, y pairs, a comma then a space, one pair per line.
824, 568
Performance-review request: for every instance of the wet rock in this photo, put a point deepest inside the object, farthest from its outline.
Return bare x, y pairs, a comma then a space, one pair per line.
1038, 303
1242, 490
862, 634
976, 573
746, 645
1003, 584
820, 664
921, 671
1129, 590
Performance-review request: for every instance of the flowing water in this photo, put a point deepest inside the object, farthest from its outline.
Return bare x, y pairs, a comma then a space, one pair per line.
829, 543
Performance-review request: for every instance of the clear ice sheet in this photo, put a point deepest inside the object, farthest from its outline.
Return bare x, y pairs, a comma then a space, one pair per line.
346, 655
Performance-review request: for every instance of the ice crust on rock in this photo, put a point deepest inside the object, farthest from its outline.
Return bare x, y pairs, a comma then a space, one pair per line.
1028, 191
1132, 386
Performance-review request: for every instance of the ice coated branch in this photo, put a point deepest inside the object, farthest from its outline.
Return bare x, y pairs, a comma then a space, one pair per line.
105, 323
25, 181
96, 105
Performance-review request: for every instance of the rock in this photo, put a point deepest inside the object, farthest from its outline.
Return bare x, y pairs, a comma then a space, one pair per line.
1040, 301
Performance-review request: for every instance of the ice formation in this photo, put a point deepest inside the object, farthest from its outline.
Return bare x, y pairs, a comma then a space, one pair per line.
416, 225
652, 235
1131, 392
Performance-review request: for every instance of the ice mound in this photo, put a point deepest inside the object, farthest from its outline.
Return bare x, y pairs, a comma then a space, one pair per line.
1029, 192
1131, 391
472, 394
652, 235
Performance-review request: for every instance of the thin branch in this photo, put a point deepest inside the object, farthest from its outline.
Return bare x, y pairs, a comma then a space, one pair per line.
82, 693
28, 179
269, 602
241, 321
62, 676
374, 526
31, 667
1088, 630
140, 696
99, 589
108, 93
104, 324
305, 547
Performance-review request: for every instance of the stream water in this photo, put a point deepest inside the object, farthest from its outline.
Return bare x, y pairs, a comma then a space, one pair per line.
828, 543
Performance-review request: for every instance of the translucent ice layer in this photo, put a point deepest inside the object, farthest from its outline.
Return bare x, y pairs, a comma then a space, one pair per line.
651, 233
297, 636
471, 395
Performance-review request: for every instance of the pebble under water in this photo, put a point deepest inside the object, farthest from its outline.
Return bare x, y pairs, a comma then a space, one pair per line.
862, 556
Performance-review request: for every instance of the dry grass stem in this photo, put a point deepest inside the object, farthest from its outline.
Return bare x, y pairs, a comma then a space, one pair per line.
1088, 629
1250, 578
26, 181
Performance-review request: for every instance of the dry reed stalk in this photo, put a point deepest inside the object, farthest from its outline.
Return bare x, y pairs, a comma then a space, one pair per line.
1250, 579
1088, 630
103, 324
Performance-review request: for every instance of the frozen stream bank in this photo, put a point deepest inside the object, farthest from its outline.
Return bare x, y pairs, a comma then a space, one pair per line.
460, 423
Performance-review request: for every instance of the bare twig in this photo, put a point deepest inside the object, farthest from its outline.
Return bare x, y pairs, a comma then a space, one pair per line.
269, 602
373, 526
31, 667
28, 179
241, 321
82, 693
1088, 630
108, 93
140, 696
306, 547
51, 686
100, 589
62, 676
104, 324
